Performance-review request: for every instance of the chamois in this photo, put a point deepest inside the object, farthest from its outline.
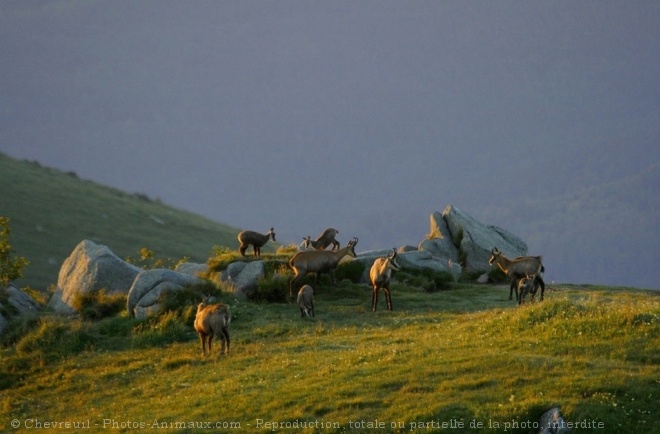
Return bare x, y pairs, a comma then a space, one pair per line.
380, 274
318, 261
247, 238
213, 320
306, 301
526, 285
517, 268
324, 240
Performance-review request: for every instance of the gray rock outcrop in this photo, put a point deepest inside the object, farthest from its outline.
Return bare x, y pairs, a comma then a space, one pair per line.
476, 239
90, 267
243, 277
19, 303
144, 294
192, 269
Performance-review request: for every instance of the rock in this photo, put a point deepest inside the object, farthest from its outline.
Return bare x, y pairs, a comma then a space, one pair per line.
483, 278
552, 422
20, 300
244, 282
20, 303
478, 239
143, 295
440, 241
90, 267
192, 269
3, 322
233, 271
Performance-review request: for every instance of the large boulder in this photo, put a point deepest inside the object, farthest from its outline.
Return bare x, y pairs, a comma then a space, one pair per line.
19, 303
192, 269
144, 295
243, 277
477, 239
439, 243
89, 268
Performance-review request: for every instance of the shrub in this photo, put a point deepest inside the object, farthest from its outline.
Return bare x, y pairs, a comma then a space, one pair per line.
273, 289
96, 305
11, 268
496, 275
351, 270
148, 261
56, 338
161, 330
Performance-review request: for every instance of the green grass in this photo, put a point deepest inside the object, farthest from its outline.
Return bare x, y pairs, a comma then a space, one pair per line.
52, 211
465, 355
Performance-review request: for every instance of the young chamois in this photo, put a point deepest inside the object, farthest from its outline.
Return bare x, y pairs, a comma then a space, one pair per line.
380, 274
318, 261
306, 301
213, 320
257, 240
527, 285
517, 268
323, 241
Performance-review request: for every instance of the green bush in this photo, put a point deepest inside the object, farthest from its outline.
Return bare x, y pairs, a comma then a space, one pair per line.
351, 270
95, 305
56, 338
161, 330
496, 275
273, 289
426, 279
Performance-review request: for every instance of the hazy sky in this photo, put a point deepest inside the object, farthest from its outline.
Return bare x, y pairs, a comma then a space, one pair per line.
362, 115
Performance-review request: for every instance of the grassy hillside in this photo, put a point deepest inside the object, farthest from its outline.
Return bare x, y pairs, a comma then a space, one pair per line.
52, 211
465, 357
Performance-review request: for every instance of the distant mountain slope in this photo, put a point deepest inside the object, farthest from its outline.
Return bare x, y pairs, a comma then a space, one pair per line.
52, 211
602, 234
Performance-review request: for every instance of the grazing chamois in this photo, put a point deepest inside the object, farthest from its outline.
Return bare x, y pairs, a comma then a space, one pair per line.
318, 261
213, 320
380, 274
323, 241
519, 267
306, 301
257, 240
527, 285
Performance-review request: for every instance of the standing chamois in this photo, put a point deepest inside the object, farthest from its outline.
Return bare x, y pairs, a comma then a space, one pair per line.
247, 238
213, 320
380, 274
323, 241
318, 261
517, 268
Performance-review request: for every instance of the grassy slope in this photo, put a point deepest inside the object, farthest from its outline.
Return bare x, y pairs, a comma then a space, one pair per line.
464, 354
52, 211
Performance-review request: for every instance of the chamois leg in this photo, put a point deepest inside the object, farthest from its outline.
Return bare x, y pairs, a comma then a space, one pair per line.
541, 283
514, 286
388, 297
292, 284
374, 300
224, 337
202, 339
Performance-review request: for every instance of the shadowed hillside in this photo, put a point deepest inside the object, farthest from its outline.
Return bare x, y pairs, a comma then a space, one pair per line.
52, 211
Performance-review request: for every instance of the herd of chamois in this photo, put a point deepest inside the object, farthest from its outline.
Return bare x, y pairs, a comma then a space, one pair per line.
214, 319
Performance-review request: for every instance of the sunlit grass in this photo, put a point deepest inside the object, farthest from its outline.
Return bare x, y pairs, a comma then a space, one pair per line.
467, 354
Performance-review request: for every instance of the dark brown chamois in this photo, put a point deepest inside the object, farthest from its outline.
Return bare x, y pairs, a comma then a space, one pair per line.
324, 240
318, 261
257, 240
517, 268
